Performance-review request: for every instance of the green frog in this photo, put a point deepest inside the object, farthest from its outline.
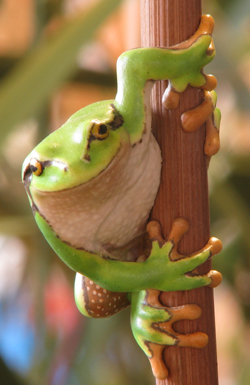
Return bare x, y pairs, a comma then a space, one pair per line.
92, 184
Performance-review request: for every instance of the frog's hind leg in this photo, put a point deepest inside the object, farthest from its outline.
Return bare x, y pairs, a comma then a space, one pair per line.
187, 312
94, 301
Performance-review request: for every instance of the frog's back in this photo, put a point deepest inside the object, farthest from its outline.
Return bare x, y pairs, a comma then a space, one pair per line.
97, 109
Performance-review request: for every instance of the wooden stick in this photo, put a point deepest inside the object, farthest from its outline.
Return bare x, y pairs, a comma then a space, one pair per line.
184, 190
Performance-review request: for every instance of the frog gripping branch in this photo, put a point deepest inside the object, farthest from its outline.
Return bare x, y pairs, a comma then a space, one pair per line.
93, 182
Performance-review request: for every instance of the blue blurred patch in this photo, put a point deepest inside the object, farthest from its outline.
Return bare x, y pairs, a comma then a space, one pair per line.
16, 336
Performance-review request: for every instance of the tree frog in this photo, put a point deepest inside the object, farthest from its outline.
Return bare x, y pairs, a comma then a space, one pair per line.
92, 184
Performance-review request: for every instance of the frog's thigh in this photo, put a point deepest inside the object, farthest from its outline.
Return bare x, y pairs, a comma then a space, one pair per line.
96, 302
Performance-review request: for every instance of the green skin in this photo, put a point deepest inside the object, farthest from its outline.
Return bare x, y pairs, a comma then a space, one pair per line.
143, 317
157, 272
134, 68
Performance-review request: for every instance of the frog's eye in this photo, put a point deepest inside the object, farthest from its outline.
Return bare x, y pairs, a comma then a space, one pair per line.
36, 166
99, 130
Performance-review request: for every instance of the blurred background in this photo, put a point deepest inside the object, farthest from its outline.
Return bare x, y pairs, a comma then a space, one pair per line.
55, 58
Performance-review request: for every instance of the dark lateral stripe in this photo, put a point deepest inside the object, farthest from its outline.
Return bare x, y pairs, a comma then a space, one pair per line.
118, 119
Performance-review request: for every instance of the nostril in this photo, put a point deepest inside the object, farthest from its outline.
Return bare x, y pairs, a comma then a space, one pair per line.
35, 166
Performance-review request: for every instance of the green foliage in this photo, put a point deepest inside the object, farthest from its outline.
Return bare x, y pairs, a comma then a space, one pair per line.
30, 84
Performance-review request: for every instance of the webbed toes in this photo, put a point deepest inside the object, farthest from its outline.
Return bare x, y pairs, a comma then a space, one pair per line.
154, 231
216, 278
171, 97
215, 245
206, 27
212, 279
196, 340
191, 120
179, 268
211, 83
158, 366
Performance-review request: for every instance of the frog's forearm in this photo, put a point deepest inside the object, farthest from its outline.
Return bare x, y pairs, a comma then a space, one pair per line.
136, 67
156, 272
126, 276
142, 64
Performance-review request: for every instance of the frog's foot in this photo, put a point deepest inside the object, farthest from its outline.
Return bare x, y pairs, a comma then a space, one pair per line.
158, 366
171, 97
185, 312
166, 333
177, 313
184, 264
96, 302
206, 27
157, 363
193, 119
212, 142
205, 113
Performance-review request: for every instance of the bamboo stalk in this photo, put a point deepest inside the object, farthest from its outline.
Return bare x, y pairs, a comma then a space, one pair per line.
184, 189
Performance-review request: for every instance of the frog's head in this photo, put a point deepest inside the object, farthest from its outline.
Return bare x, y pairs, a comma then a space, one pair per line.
77, 152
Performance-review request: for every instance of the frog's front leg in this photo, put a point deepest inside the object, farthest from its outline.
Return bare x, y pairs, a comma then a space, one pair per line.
160, 271
152, 326
206, 112
182, 65
178, 274
191, 120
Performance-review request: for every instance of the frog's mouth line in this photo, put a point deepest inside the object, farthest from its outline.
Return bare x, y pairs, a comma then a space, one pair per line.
28, 174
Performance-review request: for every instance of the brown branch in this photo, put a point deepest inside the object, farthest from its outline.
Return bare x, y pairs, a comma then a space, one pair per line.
183, 191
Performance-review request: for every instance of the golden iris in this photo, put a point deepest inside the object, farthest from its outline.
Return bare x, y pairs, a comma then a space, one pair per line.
99, 130
36, 167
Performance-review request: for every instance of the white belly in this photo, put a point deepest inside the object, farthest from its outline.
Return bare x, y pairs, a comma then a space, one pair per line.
112, 209
128, 217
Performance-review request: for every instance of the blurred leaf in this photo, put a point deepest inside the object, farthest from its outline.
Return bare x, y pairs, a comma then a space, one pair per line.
33, 80
54, 7
240, 164
18, 225
6, 64
230, 203
226, 4
93, 77
45, 12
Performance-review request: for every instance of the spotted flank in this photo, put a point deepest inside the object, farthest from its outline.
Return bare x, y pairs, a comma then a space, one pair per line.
96, 302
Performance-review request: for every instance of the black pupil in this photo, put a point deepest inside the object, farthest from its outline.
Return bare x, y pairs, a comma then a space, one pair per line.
33, 168
103, 129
